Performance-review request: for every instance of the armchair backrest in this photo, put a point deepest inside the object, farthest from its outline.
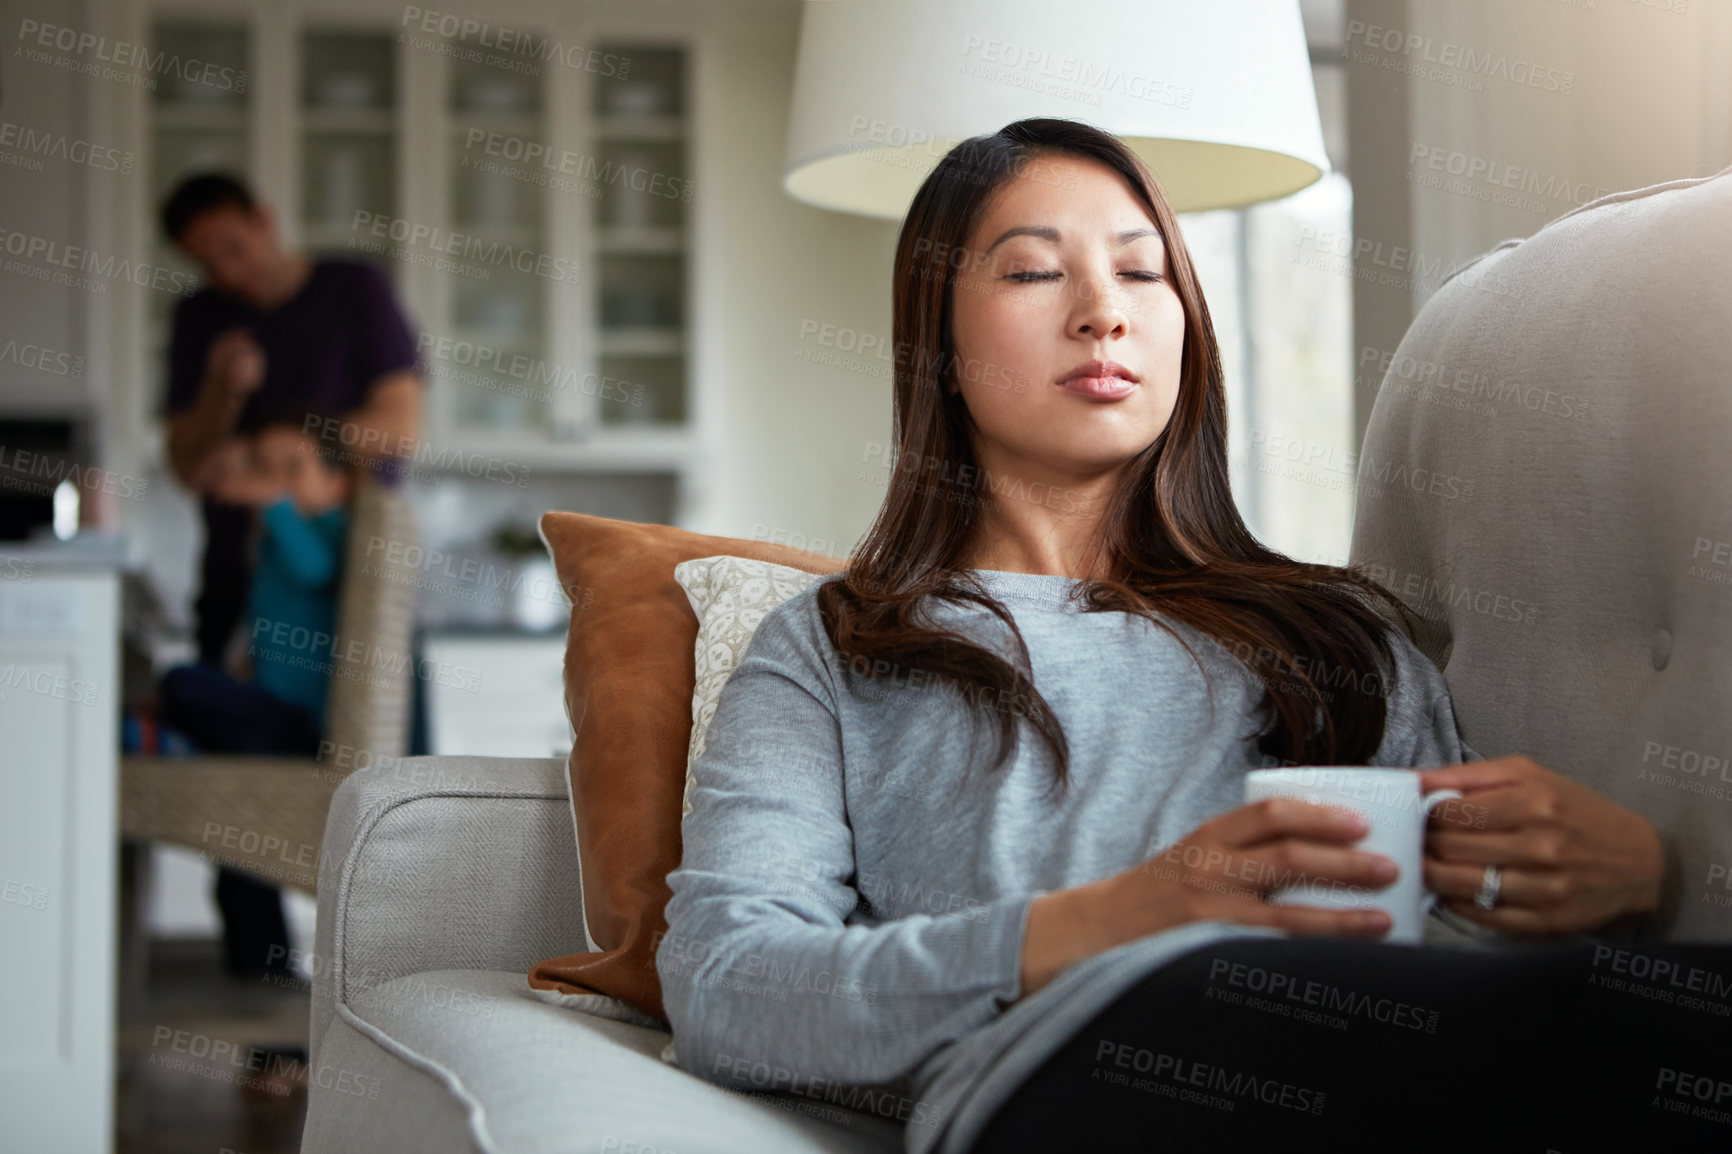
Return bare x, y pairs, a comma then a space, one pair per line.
1547, 481
368, 702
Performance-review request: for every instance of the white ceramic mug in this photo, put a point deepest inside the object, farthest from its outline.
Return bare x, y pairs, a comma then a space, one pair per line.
1392, 804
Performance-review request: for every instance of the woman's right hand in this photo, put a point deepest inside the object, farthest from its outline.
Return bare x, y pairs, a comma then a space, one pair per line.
1222, 871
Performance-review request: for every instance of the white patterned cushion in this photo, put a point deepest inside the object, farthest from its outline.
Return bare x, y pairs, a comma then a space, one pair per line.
730, 595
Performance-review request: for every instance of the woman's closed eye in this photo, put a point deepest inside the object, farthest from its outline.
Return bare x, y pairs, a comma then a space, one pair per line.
1141, 274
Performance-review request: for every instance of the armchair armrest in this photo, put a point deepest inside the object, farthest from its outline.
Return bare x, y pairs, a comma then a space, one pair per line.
443, 863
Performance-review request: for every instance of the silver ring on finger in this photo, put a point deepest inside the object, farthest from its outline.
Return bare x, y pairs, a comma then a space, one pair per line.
1489, 886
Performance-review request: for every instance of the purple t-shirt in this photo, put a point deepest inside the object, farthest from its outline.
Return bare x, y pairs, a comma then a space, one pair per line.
325, 348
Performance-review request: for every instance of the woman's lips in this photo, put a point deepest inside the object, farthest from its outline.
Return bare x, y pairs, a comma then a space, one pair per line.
1099, 388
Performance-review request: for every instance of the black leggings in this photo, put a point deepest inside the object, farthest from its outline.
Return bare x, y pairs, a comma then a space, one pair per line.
1327, 1044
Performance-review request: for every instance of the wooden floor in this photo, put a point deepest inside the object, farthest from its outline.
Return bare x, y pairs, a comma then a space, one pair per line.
194, 1070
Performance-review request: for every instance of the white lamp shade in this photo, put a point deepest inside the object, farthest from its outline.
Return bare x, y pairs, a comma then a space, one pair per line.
1214, 95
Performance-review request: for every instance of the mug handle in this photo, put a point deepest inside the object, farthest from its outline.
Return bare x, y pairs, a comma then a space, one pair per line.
1428, 803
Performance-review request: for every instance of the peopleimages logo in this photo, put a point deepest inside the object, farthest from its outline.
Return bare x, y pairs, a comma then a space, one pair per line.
42, 359
415, 451
597, 171
42, 473
751, 972
1431, 595
943, 476
1308, 994
99, 50
35, 144
489, 362
46, 683
44, 257
412, 235
1504, 176
1718, 877
289, 640
1220, 1088
743, 1071
1412, 52
1066, 77
1395, 369
1663, 973
513, 42
1421, 480
1697, 1095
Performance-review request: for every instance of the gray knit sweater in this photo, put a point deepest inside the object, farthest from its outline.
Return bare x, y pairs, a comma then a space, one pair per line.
850, 907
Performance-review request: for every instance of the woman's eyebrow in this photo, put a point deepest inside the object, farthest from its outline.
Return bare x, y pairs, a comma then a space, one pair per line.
1047, 232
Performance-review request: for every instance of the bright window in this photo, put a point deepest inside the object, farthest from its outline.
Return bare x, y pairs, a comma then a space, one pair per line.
1285, 326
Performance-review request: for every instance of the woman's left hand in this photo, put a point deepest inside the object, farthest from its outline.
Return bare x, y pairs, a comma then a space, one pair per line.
1572, 861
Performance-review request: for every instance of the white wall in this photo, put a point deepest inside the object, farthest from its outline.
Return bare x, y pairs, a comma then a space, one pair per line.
791, 434
1649, 100
44, 200
1631, 93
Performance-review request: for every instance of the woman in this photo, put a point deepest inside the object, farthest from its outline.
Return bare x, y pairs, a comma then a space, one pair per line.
1058, 564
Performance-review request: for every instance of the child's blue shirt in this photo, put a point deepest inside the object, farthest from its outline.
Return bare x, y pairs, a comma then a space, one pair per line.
294, 603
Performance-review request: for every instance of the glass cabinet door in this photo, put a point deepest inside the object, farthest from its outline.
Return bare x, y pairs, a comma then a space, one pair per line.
546, 210
348, 136
640, 230
496, 287
199, 122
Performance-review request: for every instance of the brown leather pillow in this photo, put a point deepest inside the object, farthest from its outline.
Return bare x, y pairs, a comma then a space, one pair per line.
629, 677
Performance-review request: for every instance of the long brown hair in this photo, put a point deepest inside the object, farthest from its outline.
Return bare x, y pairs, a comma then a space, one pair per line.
1173, 539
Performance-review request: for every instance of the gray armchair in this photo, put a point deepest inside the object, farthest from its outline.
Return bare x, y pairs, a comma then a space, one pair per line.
1546, 482
445, 879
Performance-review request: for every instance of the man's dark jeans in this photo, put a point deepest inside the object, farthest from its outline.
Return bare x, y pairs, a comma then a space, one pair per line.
219, 714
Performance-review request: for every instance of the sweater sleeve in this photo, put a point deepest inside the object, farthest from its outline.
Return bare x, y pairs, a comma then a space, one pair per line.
1419, 730
769, 964
310, 557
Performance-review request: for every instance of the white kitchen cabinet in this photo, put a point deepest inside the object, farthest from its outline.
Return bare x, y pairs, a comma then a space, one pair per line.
59, 785
523, 176
496, 694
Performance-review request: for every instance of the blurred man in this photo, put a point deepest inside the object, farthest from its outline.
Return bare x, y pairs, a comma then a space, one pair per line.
271, 331
271, 327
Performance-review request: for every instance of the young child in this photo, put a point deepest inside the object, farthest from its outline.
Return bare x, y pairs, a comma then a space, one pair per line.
301, 526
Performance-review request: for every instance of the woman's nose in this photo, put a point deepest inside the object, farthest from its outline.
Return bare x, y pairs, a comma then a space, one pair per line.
1097, 310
